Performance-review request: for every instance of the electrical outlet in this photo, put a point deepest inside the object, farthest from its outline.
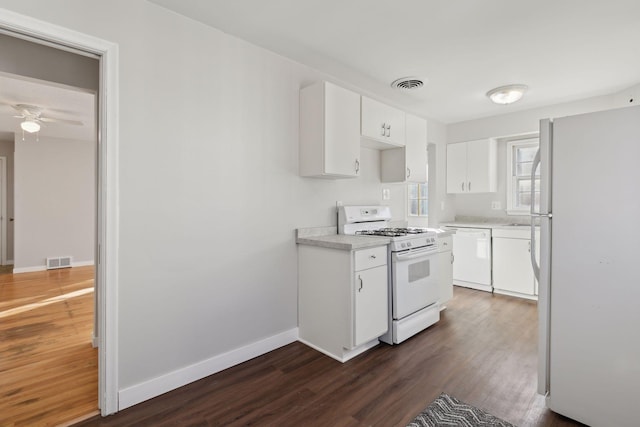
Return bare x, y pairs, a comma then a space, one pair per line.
496, 205
386, 194
338, 203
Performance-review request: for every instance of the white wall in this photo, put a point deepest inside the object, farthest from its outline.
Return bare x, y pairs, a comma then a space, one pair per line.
54, 201
6, 150
209, 187
506, 125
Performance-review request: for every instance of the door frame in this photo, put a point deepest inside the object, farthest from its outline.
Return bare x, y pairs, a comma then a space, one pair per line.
24, 26
3, 210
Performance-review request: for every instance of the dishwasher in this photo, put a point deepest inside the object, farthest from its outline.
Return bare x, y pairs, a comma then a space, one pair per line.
472, 258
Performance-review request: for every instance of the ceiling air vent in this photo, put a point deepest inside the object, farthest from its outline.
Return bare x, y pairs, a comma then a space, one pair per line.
408, 83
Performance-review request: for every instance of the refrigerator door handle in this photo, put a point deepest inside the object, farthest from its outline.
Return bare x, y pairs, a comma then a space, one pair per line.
534, 263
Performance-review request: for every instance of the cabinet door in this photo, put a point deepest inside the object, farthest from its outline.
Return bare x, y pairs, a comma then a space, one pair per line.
396, 126
382, 122
342, 133
371, 304
445, 276
481, 166
457, 167
512, 266
416, 149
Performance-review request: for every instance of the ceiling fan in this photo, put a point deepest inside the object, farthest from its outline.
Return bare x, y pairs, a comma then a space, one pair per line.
32, 117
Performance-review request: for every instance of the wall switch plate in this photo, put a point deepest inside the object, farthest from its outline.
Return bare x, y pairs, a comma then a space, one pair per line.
496, 205
386, 194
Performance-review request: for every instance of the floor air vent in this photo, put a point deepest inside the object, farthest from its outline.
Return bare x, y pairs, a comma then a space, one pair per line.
59, 262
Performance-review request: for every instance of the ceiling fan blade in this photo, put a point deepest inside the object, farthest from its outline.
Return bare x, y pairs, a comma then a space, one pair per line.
68, 122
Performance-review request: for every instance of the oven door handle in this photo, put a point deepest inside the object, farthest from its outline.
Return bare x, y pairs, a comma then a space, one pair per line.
411, 254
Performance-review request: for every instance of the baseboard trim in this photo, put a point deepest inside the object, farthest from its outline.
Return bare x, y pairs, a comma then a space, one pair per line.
138, 393
471, 285
83, 263
348, 354
44, 267
29, 269
515, 294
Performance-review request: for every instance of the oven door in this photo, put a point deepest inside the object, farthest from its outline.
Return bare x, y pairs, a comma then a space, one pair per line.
413, 280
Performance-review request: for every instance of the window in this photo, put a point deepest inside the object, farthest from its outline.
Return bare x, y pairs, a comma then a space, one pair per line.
520, 156
418, 195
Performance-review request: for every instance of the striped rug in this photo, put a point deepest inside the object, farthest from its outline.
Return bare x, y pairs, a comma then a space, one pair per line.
449, 411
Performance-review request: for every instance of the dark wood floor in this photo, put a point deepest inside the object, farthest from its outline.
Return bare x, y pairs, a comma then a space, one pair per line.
483, 352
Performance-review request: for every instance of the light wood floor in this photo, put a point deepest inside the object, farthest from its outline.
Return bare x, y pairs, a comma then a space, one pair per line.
483, 352
48, 368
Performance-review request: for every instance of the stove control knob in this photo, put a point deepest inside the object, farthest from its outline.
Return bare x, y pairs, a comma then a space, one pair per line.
408, 244
403, 245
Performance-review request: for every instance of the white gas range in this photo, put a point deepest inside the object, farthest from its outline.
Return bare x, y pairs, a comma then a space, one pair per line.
413, 286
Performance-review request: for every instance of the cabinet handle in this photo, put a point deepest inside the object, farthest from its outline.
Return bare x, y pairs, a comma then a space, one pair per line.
463, 186
453, 258
469, 186
383, 131
357, 166
389, 131
408, 172
361, 284
529, 246
372, 257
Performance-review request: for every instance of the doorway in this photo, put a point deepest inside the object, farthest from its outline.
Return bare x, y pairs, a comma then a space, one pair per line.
106, 251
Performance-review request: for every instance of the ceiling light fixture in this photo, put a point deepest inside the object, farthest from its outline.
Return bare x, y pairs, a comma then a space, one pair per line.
507, 94
30, 126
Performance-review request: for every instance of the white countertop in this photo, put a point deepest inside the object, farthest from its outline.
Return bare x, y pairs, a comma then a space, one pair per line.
480, 224
327, 237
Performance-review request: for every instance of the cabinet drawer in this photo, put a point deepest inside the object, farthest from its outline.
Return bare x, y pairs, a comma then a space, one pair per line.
369, 258
445, 243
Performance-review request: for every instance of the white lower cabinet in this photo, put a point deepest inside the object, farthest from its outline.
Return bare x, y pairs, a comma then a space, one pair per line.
342, 299
512, 271
371, 305
445, 269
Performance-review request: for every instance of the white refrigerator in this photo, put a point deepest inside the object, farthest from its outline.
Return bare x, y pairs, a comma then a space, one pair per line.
589, 272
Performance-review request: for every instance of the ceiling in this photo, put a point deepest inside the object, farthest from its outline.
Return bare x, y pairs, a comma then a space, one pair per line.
56, 101
563, 50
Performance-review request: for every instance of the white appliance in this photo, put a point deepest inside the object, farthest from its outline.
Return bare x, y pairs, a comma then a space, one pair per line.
413, 277
472, 257
589, 279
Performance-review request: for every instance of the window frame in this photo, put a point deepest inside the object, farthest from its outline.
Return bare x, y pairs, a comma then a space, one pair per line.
512, 179
409, 199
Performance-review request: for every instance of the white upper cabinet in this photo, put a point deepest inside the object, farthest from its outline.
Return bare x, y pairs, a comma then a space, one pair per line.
471, 166
408, 163
329, 131
382, 123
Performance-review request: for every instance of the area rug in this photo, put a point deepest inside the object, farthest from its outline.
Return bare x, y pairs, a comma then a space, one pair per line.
449, 411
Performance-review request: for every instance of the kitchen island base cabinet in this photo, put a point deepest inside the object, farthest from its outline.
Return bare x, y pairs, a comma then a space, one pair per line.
342, 299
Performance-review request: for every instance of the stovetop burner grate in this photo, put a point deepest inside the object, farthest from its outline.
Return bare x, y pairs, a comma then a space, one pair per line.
391, 232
